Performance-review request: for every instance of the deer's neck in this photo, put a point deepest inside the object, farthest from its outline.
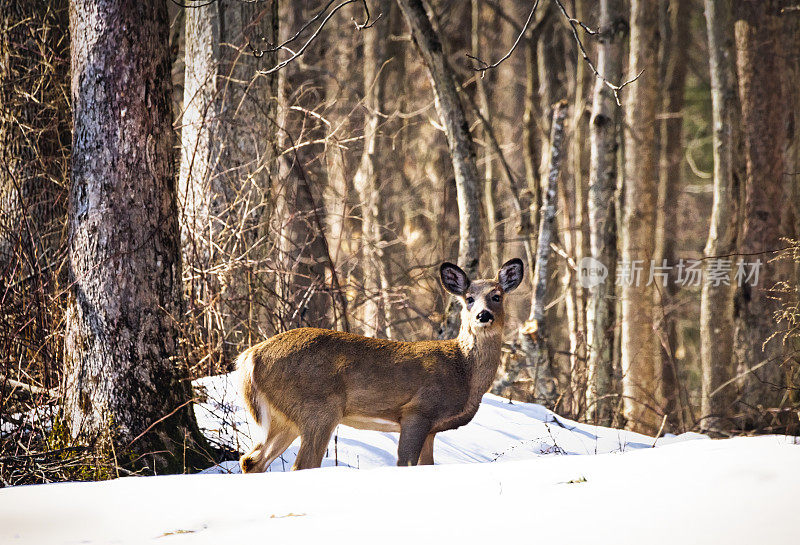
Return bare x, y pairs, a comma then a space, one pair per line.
481, 351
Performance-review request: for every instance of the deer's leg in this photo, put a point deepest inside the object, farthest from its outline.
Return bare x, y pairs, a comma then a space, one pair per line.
414, 428
313, 442
426, 455
279, 437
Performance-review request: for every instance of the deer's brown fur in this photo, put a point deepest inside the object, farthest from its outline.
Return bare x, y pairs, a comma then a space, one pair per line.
306, 381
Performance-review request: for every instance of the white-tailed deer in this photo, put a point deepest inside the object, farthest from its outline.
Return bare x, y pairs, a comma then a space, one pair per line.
304, 382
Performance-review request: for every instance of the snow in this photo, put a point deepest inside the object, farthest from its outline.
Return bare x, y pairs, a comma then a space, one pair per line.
516, 473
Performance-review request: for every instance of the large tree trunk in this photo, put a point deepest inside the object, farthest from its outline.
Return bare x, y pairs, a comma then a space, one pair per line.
604, 130
227, 164
716, 302
369, 179
675, 36
123, 379
640, 357
462, 150
759, 64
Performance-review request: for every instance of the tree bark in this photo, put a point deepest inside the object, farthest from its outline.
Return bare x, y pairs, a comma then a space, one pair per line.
675, 36
604, 134
227, 166
640, 357
123, 380
369, 179
494, 227
462, 150
759, 67
716, 302
533, 338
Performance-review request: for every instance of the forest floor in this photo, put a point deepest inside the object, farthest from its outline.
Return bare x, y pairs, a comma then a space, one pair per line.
516, 473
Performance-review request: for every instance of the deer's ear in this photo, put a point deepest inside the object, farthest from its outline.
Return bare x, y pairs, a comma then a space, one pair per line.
454, 279
510, 274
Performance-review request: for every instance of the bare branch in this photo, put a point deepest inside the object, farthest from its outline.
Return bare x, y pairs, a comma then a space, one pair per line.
484, 66
573, 24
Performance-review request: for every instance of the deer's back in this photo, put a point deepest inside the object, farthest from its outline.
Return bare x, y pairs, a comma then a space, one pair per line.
333, 370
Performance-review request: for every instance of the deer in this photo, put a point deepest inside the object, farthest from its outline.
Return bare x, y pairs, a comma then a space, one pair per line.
306, 381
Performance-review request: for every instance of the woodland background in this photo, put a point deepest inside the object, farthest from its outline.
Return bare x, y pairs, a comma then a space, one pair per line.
181, 180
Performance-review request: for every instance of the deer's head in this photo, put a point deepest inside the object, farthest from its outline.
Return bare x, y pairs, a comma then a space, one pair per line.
482, 300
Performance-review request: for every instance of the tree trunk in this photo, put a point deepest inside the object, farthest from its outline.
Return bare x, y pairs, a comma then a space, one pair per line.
604, 134
716, 302
640, 356
462, 150
574, 224
759, 66
494, 228
369, 179
123, 379
675, 36
533, 334
227, 165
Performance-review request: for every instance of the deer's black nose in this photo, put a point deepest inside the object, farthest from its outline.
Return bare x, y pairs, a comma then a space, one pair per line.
485, 316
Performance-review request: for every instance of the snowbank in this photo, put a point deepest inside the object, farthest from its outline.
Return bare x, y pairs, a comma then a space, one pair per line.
743, 490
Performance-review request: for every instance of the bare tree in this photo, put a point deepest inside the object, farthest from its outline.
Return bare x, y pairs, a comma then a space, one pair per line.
674, 36
369, 179
640, 357
716, 302
227, 165
759, 67
124, 381
533, 335
462, 150
604, 130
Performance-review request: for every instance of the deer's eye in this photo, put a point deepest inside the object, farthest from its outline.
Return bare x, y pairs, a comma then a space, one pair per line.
470, 300
496, 298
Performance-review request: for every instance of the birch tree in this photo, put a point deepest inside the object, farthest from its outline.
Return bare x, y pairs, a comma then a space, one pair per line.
716, 302
604, 134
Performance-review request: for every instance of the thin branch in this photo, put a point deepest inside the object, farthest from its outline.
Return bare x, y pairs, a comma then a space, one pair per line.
299, 53
573, 26
484, 66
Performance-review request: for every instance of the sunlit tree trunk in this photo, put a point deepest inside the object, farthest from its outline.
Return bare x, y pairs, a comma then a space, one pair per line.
124, 381
370, 177
640, 356
227, 165
462, 150
716, 302
604, 133
494, 229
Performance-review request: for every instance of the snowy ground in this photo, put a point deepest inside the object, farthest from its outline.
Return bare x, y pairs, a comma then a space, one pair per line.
543, 479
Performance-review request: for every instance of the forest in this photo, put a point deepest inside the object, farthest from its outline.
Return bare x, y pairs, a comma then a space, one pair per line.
181, 180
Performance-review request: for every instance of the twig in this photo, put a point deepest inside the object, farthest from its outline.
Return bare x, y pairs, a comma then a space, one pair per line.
484, 66
35, 390
302, 50
572, 24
